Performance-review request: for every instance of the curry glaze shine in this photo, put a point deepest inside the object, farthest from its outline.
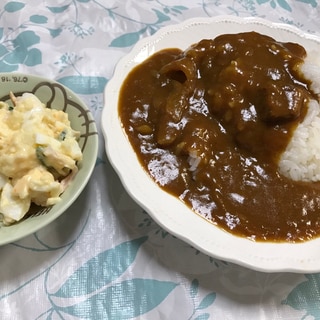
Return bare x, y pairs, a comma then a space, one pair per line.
209, 125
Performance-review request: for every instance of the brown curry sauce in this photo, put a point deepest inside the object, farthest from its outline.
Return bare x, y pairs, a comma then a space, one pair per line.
232, 103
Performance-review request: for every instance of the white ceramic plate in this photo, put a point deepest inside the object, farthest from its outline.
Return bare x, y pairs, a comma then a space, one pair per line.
165, 209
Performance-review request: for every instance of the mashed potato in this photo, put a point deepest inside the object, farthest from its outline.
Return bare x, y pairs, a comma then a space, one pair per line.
39, 153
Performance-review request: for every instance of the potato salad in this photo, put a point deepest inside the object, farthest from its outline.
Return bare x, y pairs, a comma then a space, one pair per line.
39, 155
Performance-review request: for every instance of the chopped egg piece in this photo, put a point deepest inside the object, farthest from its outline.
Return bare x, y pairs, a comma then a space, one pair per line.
12, 207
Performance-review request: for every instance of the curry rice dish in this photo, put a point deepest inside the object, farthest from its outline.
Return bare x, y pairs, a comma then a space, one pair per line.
231, 127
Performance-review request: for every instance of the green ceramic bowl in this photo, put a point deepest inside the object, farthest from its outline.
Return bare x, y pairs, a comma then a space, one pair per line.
55, 96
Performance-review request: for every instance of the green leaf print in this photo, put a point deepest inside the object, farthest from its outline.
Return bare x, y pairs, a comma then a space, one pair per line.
194, 288
313, 3
14, 6
122, 301
3, 50
101, 269
58, 9
38, 19
204, 316
161, 16
207, 301
55, 32
304, 297
284, 5
26, 39
281, 3
33, 57
127, 39
84, 84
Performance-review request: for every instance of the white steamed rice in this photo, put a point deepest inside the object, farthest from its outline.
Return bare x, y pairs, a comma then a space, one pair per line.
301, 159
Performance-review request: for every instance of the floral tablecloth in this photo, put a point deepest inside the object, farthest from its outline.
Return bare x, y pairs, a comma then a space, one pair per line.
105, 258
